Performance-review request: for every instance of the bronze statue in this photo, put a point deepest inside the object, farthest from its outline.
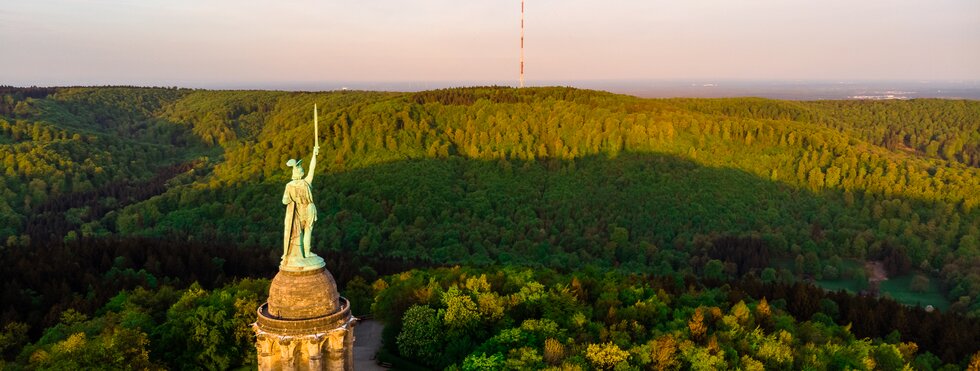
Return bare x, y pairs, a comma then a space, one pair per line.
300, 213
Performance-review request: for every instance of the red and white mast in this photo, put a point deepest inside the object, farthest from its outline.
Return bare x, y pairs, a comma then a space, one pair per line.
522, 43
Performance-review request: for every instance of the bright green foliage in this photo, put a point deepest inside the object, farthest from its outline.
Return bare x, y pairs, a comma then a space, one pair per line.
776, 350
931, 127
117, 348
80, 343
741, 313
701, 358
524, 358
483, 362
749, 364
461, 311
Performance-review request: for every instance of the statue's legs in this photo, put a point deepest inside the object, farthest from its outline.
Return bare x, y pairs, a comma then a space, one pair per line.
307, 239
285, 247
294, 249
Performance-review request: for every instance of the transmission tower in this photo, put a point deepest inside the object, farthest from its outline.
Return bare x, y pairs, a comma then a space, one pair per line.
522, 43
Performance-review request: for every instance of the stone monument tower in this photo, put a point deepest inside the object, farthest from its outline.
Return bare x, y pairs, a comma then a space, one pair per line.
305, 324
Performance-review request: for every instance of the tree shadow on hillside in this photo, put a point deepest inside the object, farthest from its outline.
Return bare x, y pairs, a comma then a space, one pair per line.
619, 210
641, 212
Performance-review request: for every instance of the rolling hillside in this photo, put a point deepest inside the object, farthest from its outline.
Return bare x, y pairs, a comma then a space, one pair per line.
550, 178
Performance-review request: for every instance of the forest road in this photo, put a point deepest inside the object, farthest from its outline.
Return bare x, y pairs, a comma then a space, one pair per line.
367, 342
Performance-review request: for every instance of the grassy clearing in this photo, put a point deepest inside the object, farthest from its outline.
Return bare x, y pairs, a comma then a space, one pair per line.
898, 288
849, 285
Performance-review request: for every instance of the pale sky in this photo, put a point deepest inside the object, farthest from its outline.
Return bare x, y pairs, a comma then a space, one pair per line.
214, 43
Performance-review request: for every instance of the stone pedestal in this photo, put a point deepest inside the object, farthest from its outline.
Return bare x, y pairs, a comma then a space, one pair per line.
305, 325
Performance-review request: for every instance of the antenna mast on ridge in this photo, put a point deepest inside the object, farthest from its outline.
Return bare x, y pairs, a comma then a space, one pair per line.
522, 43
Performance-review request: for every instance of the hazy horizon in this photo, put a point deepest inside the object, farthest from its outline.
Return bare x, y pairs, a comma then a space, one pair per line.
224, 43
664, 88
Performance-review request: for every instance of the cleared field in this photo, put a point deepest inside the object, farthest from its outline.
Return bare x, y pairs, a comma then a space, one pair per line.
898, 288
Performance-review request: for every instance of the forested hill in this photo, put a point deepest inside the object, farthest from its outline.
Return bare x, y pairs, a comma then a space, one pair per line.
114, 181
556, 177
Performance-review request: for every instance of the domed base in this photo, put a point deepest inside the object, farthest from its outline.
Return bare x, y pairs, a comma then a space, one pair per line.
305, 325
303, 295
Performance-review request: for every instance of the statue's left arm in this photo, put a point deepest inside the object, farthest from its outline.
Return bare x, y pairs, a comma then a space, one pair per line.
309, 177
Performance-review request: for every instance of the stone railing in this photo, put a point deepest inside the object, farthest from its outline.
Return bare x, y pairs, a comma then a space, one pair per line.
280, 326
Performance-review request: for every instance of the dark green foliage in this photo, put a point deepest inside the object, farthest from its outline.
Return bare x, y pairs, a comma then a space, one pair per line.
46, 279
714, 269
12, 338
421, 337
360, 294
211, 330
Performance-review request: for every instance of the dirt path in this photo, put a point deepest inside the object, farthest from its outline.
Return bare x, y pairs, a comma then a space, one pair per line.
367, 335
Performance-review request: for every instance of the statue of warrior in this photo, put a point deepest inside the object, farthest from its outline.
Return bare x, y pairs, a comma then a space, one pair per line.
300, 210
300, 213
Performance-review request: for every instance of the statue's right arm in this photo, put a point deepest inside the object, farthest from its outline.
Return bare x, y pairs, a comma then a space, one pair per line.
309, 177
285, 196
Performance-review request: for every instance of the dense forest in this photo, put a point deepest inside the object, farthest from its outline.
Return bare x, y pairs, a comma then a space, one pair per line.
496, 318
543, 178
524, 319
